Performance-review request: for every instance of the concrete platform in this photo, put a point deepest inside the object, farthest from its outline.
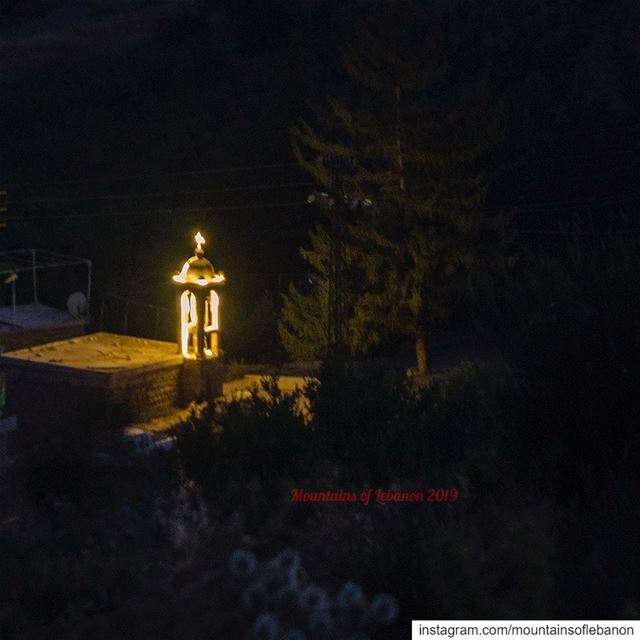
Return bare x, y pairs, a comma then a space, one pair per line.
34, 324
241, 387
34, 316
103, 380
98, 353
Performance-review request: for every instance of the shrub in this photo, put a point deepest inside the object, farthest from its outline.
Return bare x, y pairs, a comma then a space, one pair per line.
570, 328
264, 435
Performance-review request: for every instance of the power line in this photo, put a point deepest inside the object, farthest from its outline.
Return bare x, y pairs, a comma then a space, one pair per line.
158, 175
283, 225
628, 197
162, 194
160, 211
572, 203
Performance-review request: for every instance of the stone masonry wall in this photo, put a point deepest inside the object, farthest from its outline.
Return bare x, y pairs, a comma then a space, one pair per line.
44, 400
148, 395
51, 398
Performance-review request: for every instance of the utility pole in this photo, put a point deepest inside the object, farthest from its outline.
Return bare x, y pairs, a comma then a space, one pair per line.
338, 166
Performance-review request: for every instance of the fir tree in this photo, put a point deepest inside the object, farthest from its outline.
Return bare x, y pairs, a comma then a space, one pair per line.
422, 135
303, 321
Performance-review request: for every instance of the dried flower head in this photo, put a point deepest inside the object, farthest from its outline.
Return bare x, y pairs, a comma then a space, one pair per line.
384, 608
351, 606
287, 560
312, 597
242, 564
277, 583
321, 623
350, 595
253, 596
265, 627
288, 587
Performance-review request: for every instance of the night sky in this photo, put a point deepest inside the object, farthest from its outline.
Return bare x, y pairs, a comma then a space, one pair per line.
128, 125
158, 118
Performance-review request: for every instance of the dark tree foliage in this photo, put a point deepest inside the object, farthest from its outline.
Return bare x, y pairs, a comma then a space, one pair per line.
423, 136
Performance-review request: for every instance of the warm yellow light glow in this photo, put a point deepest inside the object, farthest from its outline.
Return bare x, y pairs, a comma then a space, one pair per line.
211, 321
188, 323
215, 304
216, 278
214, 351
199, 306
182, 277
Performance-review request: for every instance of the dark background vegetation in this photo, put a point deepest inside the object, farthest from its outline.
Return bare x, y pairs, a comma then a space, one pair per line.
124, 122
127, 126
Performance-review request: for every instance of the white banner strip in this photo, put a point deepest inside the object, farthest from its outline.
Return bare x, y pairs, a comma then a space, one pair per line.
541, 629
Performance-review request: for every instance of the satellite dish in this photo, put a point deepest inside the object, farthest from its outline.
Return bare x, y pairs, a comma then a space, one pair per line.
77, 305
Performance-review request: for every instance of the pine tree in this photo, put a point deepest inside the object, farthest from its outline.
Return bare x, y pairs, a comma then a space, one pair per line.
303, 323
422, 136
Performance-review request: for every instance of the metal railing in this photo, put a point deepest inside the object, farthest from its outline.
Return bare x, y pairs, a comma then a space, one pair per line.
135, 317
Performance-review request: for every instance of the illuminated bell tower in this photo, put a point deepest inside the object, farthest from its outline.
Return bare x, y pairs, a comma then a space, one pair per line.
199, 306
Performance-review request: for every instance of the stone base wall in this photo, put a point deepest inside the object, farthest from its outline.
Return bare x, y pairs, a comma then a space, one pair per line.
147, 395
201, 380
51, 399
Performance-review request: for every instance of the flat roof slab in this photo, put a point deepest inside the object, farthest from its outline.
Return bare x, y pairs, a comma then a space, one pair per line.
101, 378
98, 352
34, 316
